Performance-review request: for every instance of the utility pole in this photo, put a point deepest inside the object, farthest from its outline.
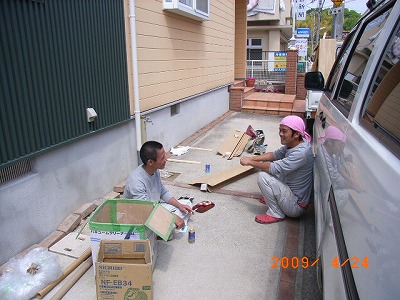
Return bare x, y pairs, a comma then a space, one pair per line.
320, 5
337, 18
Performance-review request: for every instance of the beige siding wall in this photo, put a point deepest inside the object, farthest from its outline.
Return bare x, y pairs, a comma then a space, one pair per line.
179, 57
240, 38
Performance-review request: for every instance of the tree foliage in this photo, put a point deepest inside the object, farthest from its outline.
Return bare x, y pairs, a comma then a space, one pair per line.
350, 19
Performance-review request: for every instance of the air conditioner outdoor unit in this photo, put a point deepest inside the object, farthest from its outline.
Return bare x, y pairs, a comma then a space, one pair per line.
195, 9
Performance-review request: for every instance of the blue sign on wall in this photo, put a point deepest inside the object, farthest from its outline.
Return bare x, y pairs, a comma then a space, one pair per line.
303, 32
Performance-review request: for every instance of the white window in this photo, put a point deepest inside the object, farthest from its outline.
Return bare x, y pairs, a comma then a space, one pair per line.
195, 9
254, 49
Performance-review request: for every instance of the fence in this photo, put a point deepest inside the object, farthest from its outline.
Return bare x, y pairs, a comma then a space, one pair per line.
271, 70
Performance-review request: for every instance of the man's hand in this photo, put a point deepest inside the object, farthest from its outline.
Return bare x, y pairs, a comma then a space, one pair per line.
245, 161
256, 162
179, 222
186, 209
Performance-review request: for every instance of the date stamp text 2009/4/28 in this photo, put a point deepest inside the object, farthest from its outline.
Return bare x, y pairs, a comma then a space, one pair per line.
304, 262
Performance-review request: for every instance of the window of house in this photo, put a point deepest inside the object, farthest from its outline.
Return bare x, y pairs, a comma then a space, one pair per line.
195, 9
202, 6
254, 49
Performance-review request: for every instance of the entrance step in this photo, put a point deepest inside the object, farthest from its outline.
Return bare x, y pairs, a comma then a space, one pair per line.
273, 104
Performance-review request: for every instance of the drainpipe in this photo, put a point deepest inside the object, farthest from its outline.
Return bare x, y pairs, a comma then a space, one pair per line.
132, 23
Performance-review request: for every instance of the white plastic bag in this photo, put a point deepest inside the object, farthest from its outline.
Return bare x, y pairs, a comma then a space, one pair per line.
17, 283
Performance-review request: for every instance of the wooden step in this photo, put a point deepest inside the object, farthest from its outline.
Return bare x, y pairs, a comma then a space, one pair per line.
299, 106
269, 103
248, 91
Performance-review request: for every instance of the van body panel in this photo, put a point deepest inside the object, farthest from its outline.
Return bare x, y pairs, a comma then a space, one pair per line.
357, 165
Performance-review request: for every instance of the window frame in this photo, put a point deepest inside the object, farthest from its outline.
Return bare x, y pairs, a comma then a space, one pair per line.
250, 46
340, 70
387, 139
188, 8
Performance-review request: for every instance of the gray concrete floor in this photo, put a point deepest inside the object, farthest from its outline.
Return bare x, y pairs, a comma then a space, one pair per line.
232, 255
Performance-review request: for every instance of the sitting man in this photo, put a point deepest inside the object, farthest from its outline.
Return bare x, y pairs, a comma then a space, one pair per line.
286, 176
144, 183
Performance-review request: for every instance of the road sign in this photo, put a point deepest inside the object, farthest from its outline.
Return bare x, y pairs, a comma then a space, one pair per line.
303, 32
301, 46
337, 2
301, 10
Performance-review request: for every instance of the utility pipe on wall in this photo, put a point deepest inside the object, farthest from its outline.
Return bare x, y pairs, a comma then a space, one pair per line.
132, 23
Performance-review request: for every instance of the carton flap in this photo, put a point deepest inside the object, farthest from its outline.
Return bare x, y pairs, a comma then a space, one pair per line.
161, 222
225, 176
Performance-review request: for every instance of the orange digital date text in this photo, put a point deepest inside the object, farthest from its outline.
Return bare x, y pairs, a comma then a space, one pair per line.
305, 262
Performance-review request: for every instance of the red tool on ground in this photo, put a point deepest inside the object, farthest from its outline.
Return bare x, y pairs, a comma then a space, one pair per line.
203, 206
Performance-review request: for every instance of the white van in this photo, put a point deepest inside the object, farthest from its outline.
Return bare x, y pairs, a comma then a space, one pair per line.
357, 166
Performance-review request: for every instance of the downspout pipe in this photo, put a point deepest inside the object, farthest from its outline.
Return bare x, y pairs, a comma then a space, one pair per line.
132, 23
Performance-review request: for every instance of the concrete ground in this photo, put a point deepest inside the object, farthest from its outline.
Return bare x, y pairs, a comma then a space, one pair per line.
233, 256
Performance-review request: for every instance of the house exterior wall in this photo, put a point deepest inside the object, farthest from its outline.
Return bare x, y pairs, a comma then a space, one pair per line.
193, 115
240, 39
181, 62
34, 205
179, 57
274, 40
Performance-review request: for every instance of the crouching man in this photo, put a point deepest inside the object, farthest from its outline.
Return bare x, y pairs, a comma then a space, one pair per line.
286, 176
145, 183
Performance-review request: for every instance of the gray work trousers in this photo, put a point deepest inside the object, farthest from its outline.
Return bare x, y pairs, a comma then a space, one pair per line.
278, 196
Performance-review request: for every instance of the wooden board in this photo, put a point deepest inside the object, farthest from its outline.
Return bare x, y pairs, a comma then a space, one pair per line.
72, 246
234, 144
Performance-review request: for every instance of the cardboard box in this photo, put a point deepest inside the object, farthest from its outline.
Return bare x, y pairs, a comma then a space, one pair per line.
124, 270
119, 219
218, 179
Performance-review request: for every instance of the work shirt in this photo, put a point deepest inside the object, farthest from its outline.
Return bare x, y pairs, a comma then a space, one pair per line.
142, 186
294, 167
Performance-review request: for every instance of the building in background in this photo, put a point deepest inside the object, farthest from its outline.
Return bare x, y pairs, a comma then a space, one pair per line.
269, 27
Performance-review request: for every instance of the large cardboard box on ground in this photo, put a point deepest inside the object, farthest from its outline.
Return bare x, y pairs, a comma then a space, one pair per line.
124, 270
218, 179
119, 219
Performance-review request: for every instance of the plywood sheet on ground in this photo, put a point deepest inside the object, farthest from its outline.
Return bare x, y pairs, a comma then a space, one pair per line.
234, 143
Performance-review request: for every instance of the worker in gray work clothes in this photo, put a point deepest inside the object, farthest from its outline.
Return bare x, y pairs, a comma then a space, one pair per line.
286, 176
144, 183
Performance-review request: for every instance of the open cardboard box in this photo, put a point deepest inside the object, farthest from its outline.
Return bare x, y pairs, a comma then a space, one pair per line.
124, 270
119, 219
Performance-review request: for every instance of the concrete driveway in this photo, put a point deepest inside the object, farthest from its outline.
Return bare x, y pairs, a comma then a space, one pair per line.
233, 256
